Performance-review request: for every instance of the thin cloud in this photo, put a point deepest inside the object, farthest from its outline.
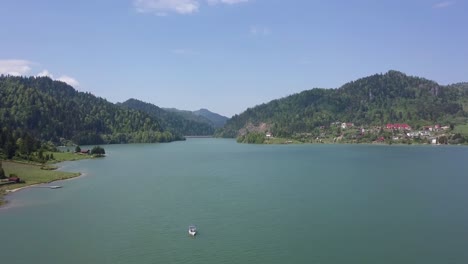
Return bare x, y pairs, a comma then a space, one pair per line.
15, 67
69, 80
161, 7
229, 2
24, 67
260, 31
45, 73
183, 7
64, 78
443, 4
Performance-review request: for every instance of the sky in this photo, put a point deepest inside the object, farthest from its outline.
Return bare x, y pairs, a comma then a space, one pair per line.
229, 55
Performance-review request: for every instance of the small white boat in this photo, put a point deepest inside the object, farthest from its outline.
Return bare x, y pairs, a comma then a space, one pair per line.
192, 230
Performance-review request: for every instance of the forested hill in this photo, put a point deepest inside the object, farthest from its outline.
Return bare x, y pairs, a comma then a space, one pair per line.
54, 111
189, 115
172, 121
217, 119
375, 100
202, 115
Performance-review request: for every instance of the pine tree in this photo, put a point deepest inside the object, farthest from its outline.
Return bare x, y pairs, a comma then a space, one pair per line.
2, 172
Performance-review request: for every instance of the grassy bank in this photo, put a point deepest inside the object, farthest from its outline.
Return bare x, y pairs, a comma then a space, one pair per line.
281, 141
33, 173
67, 156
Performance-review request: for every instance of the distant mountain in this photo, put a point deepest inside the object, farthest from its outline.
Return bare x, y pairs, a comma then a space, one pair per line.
175, 122
217, 119
54, 111
393, 97
202, 115
189, 115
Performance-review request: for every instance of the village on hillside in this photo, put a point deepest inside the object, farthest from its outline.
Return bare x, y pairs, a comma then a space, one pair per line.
391, 133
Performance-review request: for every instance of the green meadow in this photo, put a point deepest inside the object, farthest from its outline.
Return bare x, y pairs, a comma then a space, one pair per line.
33, 173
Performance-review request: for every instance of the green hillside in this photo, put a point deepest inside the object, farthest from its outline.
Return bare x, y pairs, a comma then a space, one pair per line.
392, 97
54, 111
216, 119
172, 121
189, 115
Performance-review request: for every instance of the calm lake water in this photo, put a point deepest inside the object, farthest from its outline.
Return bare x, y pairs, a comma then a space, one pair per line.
251, 203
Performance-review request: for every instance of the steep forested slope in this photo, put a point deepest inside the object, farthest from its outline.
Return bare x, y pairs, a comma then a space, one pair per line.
217, 119
53, 111
189, 115
374, 100
172, 121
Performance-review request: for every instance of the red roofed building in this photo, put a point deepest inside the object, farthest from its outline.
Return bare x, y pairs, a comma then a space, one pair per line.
14, 179
399, 126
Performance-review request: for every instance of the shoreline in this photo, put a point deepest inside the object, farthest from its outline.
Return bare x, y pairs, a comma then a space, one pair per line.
286, 141
20, 188
37, 176
4, 201
35, 184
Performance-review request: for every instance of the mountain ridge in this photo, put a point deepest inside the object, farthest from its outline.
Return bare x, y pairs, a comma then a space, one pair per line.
171, 120
372, 100
217, 119
54, 111
202, 115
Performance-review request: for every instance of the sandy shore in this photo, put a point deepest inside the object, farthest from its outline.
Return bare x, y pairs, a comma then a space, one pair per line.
5, 203
67, 179
21, 188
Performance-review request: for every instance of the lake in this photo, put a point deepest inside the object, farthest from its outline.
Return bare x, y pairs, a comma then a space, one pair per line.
251, 203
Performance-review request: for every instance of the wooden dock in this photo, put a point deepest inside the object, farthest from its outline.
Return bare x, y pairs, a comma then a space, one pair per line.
49, 187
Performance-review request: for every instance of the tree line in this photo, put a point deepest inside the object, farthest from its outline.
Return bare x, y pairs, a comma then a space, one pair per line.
53, 111
21, 145
174, 122
392, 97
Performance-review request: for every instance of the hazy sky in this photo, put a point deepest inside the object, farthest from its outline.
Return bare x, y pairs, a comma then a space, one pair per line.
228, 55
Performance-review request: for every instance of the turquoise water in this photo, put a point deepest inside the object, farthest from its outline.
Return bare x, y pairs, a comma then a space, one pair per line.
251, 204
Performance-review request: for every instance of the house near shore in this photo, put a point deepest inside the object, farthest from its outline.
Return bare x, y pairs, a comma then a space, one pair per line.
413, 134
347, 125
86, 151
14, 179
435, 128
428, 128
11, 180
398, 126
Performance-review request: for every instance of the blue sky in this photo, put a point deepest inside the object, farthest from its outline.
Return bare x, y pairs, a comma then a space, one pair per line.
228, 55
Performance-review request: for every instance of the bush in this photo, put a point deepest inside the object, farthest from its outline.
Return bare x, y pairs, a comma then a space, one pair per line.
2, 172
252, 138
99, 151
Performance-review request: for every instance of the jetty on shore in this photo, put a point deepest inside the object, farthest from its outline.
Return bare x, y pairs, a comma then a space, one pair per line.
50, 187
